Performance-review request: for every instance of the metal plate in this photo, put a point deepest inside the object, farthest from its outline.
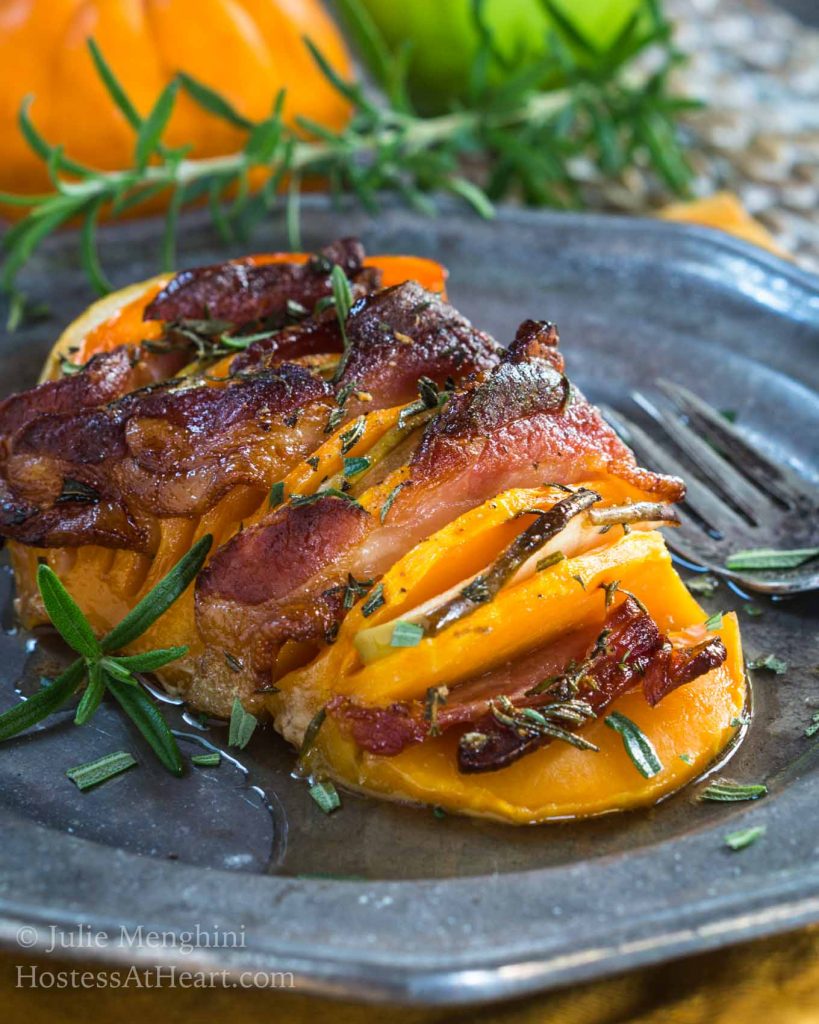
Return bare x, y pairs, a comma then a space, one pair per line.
386, 901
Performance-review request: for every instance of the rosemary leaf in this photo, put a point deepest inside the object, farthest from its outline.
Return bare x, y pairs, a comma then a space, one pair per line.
374, 601
276, 495
146, 717
310, 736
638, 746
714, 621
157, 601
210, 760
92, 697
754, 559
149, 661
213, 101
704, 585
326, 796
242, 725
724, 791
65, 614
151, 129
354, 465
744, 837
771, 663
406, 634
84, 776
43, 703
385, 508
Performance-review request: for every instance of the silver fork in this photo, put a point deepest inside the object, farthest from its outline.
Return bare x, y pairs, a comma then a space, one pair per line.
743, 501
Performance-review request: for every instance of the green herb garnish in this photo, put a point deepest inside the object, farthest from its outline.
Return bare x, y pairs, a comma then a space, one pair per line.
326, 796
276, 495
374, 601
714, 621
638, 746
769, 558
296, 500
210, 760
354, 465
353, 434
724, 791
390, 499
704, 585
103, 669
813, 728
550, 560
603, 109
406, 634
744, 837
310, 736
769, 662
84, 776
242, 725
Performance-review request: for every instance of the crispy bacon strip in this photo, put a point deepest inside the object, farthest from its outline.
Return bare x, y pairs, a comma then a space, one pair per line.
395, 336
242, 293
518, 428
629, 651
170, 450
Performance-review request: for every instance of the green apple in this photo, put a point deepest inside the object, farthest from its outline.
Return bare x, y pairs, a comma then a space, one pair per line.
444, 39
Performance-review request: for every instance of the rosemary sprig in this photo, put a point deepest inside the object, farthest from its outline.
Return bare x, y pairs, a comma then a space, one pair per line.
638, 746
530, 142
101, 667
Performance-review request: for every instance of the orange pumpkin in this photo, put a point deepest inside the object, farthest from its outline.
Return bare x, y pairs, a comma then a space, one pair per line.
246, 49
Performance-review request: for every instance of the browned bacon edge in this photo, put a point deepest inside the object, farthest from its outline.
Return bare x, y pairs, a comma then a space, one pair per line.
630, 650
243, 293
518, 426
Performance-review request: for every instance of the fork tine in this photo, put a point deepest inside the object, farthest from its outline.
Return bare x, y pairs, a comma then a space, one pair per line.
714, 467
776, 480
698, 497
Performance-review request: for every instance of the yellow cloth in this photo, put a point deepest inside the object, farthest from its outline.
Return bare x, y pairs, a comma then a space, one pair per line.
772, 981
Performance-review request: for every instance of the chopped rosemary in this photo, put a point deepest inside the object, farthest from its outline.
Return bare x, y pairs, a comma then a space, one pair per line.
310, 735
242, 725
84, 776
354, 589
76, 490
233, 662
704, 585
813, 728
725, 791
296, 500
714, 622
355, 465
744, 837
550, 560
752, 610
638, 746
374, 601
390, 499
769, 662
326, 795
313, 462
211, 760
350, 438
757, 559
406, 634
686, 758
